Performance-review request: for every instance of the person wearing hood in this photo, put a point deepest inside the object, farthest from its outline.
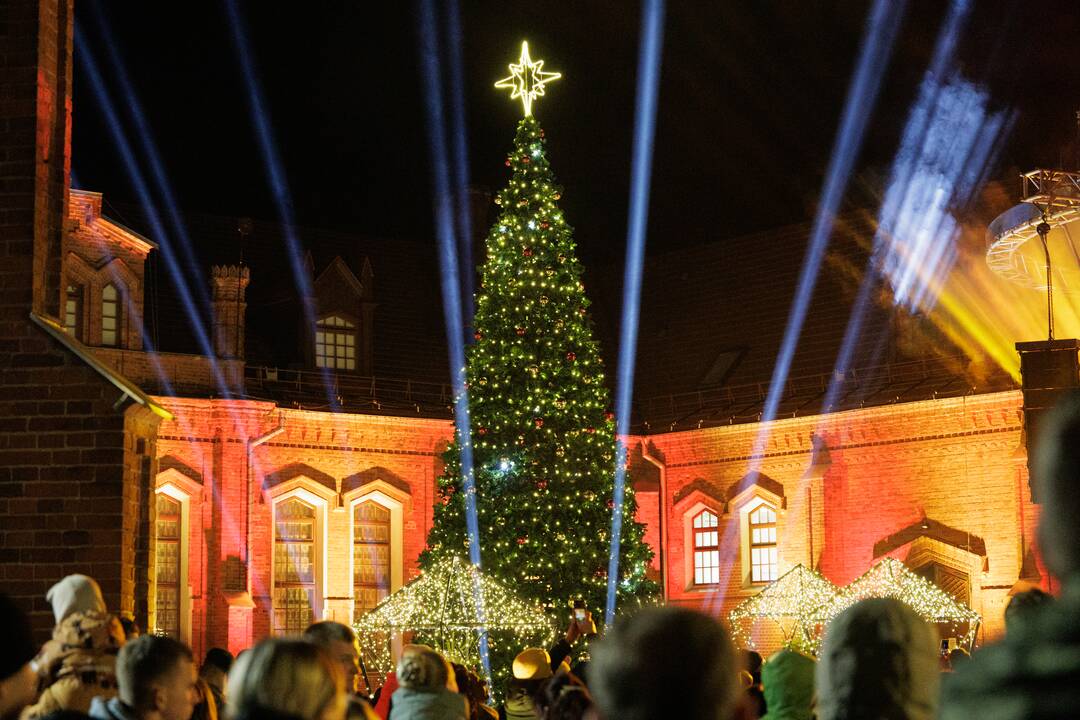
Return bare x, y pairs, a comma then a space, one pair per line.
157, 681
879, 660
788, 680
427, 689
79, 662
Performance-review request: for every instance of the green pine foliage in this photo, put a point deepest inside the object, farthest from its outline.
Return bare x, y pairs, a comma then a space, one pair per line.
543, 439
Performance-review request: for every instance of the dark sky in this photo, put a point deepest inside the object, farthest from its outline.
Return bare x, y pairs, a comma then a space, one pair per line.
750, 97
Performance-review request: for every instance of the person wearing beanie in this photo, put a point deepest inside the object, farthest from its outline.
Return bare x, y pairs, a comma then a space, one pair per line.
79, 662
427, 689
879, 660
18, 683
788, 680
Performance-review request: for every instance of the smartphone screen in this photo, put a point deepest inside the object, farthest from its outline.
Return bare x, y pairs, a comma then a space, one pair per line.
579, 614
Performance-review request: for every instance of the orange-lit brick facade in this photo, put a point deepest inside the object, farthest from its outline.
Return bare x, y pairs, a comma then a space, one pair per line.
87, 460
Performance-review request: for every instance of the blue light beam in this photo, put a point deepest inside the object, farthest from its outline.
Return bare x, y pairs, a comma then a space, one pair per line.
648, 76
881, 28
445, 230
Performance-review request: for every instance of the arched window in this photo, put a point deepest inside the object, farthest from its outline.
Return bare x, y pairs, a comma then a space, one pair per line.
706, 549
763, 556
73, 310
371, 555
110, 316
335, 343
294, 566
167, 564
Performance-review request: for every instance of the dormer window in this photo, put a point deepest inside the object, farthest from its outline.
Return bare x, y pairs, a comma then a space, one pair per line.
335, 343
73, 310
110, 316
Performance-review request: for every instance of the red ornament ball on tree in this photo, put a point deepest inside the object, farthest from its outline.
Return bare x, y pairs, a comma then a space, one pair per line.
527, 252
522, 541
590, 429
609, 415
507, 162
539, 422
571, 356
520, 331
481, 431
478, 336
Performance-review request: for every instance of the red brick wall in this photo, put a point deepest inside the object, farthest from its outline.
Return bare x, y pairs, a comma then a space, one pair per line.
958, 461
231, 509
64, 465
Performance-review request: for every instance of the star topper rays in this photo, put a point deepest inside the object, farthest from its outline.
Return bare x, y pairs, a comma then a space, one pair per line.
527, 79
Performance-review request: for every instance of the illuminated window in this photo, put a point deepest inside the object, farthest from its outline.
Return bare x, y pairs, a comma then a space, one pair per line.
763, 558
110, 316
335, 343
294, 566
371, 555
73, 307
706, 549
167, 564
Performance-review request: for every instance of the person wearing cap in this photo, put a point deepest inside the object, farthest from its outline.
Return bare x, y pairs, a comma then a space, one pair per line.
534, 665
18, 683
79, 662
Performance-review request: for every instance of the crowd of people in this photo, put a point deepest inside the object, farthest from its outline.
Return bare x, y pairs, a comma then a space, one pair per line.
879, 659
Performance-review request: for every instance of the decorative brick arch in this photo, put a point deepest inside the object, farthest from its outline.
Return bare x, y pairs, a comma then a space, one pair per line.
290, 474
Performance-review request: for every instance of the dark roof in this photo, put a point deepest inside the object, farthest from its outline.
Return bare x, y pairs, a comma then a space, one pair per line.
712, 320
409, 342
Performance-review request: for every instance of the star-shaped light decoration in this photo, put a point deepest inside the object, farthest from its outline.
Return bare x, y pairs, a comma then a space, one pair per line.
527, 79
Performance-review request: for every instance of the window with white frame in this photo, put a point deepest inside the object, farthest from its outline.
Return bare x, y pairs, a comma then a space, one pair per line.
335, 343
295, 565
763, 555
706, 548
73, 310
167, 564
110, 316
371, 555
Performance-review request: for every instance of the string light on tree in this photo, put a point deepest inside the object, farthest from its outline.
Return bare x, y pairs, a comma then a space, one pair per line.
537, 399
526, 81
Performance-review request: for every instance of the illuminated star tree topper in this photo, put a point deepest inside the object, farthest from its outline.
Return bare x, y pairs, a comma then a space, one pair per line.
527, 79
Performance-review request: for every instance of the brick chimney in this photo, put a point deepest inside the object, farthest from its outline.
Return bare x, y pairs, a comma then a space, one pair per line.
230, 282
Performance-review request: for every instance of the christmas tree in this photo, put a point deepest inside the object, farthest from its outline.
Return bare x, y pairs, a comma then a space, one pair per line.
543, 438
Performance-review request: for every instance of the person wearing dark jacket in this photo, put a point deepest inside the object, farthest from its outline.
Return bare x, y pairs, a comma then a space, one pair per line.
17, 679
1034, 672
533, 666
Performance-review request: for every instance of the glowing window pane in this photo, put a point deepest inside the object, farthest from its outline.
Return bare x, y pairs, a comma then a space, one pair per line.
371, 556
167, 565
335, 348
294, 566
110, 315
706, 550
762, 535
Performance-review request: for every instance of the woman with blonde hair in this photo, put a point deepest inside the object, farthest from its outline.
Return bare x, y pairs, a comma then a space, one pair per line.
286, 679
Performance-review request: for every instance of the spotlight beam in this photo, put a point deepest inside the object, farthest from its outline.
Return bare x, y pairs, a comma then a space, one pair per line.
648, 76
881, 29
445, 230
279, 185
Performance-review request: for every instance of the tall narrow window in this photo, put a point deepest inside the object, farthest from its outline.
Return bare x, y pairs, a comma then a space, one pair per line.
371, 555
763, 560
706, 549
110, 316
167, 565
294, 566
73, 310
335, 343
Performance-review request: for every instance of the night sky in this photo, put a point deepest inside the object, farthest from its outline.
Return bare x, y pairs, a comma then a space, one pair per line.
750, 96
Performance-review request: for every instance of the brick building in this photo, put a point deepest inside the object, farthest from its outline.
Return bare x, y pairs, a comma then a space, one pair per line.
281, 468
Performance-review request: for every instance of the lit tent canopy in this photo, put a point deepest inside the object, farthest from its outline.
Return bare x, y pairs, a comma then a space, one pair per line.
792, 602
449, 607
891, 578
